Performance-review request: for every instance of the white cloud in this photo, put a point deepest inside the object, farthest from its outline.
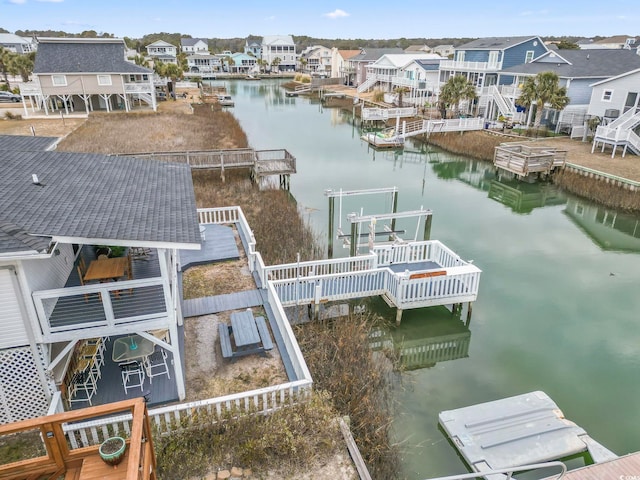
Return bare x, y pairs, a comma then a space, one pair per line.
337, 13
18, 2
271, 18
528, 13
50, 1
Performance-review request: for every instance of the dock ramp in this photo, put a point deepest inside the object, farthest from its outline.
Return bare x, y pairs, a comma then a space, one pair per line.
521, 430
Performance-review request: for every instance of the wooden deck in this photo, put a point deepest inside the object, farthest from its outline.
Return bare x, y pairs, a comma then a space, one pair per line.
221, 303
218, 244
262, 162
525, 159
626, 467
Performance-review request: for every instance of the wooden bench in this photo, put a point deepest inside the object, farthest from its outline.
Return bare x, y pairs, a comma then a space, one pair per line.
267, 344
225, 340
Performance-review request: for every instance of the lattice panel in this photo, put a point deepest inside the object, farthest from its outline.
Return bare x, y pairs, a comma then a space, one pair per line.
21, 393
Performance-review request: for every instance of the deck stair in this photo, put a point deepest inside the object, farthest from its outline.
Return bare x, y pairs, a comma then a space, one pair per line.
370, 114
506, 109
397, 136
368, 83
628, 120
619, 133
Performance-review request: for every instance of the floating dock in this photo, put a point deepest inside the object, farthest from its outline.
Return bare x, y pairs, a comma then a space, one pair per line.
522, 430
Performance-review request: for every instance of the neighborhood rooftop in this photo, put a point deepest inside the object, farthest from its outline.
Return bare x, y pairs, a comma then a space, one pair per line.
582, 63
89, 55
105, 199
494, 42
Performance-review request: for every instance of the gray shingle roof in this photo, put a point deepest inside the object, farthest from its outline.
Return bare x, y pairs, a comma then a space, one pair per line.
373, 54
494, 43
15, 239
98, 197
601, 63
89, 57
190, 42
27, 143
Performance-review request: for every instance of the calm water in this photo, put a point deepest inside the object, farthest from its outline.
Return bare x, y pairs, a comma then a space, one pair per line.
558, 304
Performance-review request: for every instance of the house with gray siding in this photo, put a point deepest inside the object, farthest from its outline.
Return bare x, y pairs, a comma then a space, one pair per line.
17, 44
578, 71
615, 96
83, 75
56, 207
356, 66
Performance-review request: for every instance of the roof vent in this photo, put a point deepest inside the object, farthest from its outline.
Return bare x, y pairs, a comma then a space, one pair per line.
35, 181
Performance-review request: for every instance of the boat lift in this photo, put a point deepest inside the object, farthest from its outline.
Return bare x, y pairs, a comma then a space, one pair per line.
352, 239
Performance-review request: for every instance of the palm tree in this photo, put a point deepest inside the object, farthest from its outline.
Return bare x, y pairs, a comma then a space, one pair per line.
5, 60
400, 91
303, 64
171, 71
543, 89
21, 65
275, 62
457, 89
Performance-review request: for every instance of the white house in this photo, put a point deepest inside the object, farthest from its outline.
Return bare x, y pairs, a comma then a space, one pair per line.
615, 42
339, 63
204, 63
444, 50
615, 96
56, 206
318, 59
389, 71
163, 51
194, 45
17, 44
281, 47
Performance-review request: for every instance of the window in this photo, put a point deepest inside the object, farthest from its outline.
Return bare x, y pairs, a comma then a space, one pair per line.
460, 56
606, 95
528, 56
59, 80
104, 79
493, 58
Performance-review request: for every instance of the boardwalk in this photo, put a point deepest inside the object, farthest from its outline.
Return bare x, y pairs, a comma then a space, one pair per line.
627, 467
222, 303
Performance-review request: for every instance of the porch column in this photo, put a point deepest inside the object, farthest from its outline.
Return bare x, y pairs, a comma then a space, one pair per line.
173, 324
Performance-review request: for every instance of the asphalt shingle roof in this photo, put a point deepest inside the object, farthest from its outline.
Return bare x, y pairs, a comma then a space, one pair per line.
583, 63
98, 197
78, 57
493, 43
190, 42
15, 239
27, 143
373, 54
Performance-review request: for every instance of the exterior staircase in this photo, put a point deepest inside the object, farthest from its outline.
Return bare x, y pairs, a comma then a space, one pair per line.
506, 109
368, 83
619, 133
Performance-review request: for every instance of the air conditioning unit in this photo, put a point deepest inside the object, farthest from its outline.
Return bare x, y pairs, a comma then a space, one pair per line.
611, 113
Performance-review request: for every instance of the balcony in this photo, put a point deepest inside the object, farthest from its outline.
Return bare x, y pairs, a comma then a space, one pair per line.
470, 66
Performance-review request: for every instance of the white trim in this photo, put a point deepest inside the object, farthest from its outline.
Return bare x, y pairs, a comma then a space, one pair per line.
62, 80
607, 93
126, 243
631, 72
528, 57
104, 80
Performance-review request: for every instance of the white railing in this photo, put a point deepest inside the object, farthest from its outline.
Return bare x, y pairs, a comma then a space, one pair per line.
387, 113
458, 285
219, 216
319, 267
367, 84
513, 91
634, 142
138, 300
138, 88
31, 88
503, 106
507, 473
627, 120
416, 252
476, 66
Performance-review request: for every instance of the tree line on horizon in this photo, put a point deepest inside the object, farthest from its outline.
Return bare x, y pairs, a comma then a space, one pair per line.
218, 45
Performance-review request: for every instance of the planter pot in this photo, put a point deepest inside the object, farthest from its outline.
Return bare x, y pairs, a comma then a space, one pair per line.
112, 450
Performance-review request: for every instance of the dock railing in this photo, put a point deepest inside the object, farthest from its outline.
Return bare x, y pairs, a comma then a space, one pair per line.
524, 159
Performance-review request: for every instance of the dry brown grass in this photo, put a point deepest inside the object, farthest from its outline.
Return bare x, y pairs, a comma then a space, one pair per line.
273, 215
207, 128
480, 145
600, 191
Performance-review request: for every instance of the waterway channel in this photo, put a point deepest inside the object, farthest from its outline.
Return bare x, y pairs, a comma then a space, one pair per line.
558, 308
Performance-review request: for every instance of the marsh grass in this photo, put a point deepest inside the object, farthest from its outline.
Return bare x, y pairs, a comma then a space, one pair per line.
597, 190
291, 437
480, 145
207, 128
359, 382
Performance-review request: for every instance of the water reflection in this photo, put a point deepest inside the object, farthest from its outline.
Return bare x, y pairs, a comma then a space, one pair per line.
425, 337
609, 229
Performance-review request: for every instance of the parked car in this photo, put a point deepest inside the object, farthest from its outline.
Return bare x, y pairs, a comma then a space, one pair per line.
10, 97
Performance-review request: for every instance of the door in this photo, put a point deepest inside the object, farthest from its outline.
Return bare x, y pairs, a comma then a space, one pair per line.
493, 59
631, 102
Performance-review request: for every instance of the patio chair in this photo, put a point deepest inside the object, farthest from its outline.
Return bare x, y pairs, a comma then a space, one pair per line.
82, 382
132, 375
139, 253
156, 364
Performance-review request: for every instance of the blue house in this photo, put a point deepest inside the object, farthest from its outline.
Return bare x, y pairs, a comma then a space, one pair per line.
482, 59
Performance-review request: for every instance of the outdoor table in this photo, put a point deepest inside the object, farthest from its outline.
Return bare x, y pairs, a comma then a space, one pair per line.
106, 269
131, 348
245, 331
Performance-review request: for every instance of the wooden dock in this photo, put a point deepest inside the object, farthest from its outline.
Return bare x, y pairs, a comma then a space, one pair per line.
626, 467
263, 163
531, 158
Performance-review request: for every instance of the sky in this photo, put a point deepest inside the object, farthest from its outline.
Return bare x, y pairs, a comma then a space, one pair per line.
328, 18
